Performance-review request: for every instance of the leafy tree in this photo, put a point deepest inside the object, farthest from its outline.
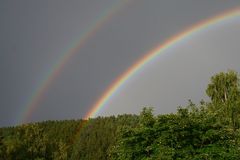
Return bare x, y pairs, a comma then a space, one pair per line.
225, 95
61, 153
224, 92
12, 148
34, 140
224, 87
135, 143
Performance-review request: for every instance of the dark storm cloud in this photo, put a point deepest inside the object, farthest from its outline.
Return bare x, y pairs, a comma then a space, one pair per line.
34, 33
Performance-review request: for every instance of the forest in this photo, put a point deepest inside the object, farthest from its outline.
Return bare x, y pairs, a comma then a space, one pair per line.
207, 130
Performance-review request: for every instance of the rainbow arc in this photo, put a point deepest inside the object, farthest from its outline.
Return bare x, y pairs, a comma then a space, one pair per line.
122, 79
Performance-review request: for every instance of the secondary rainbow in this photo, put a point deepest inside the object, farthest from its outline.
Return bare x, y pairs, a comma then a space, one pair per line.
38, 93
122, 79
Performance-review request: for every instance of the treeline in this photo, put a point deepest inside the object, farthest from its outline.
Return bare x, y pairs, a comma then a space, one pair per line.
209, 130
205, 131
61, 140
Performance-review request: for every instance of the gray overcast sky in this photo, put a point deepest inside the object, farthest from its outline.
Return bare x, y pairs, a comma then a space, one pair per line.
34, 33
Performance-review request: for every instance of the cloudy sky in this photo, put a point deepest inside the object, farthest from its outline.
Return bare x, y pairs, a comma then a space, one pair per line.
35, 34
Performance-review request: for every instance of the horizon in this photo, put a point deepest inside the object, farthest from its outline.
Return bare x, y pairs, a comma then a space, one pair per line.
39, 82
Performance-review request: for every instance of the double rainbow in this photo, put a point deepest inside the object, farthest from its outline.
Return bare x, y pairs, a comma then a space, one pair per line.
122, 79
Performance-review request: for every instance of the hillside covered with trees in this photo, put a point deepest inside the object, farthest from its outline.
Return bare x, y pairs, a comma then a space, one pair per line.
208, 130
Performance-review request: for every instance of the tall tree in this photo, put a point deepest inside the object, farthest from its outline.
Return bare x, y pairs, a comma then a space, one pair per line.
224, 92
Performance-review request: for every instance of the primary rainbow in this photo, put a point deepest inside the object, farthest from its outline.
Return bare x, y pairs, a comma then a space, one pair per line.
38, 93
113, 88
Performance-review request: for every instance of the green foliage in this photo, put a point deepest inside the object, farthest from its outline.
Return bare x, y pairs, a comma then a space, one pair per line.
224, 92
99, 135
224, 88
61, 152
135, 143
46, 140
209, 130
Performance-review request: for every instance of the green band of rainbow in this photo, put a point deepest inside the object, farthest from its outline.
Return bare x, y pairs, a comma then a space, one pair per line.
121, 80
